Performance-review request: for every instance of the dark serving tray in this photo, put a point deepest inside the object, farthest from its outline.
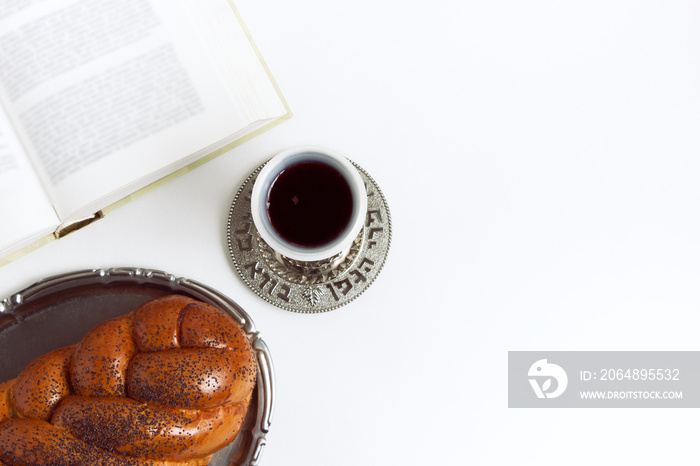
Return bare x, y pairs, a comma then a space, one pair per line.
58, 311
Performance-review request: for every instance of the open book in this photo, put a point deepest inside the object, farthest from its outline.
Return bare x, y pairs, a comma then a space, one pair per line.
102, 98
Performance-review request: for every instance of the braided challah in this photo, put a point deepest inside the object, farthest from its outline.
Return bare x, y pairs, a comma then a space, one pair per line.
168, 384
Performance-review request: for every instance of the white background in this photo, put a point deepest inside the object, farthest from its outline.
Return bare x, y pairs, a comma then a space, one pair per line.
540, 159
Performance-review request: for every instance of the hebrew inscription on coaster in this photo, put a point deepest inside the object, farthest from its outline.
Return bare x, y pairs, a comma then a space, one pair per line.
308, 287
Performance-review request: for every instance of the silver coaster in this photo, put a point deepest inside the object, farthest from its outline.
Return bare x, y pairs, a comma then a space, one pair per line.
304, 286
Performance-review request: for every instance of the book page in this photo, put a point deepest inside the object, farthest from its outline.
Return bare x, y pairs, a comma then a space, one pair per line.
213, 20
106, 92
24, 208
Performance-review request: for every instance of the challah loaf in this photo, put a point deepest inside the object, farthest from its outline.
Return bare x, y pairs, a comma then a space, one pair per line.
168, 384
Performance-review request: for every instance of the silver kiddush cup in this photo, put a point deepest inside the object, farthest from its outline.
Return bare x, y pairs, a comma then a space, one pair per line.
317, 258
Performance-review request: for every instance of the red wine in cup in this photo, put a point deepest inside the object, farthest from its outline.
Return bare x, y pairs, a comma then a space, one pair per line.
309, 204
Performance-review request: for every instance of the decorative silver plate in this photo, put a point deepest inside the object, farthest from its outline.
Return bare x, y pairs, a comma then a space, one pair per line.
305, 286
58, 311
